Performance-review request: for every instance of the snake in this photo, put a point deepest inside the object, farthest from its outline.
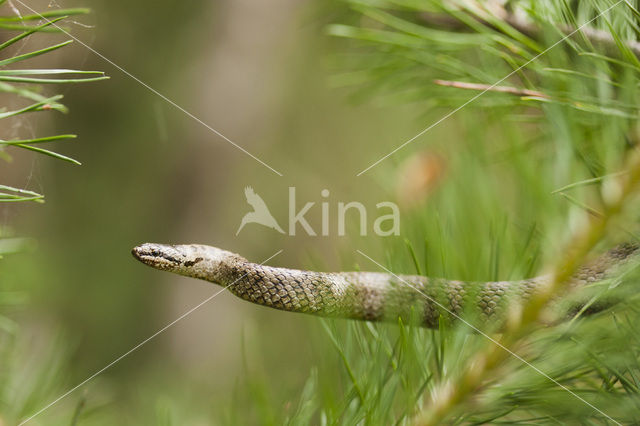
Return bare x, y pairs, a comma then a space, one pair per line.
368, 296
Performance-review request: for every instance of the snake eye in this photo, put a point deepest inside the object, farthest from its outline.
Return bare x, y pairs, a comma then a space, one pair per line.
193, 262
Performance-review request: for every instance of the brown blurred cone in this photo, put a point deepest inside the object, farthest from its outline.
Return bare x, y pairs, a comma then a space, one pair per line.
418, 177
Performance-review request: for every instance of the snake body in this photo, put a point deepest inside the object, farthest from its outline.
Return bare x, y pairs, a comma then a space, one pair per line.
370, 296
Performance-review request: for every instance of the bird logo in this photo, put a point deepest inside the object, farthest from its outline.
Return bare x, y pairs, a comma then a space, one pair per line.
260, 213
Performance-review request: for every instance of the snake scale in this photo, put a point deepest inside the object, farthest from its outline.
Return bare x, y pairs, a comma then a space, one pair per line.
370, 296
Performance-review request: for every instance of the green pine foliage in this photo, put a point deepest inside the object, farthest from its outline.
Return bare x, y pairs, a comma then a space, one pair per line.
28, 83
27, 381
540, 138
542, 130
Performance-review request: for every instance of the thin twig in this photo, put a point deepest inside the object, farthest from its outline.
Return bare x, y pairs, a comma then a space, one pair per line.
580, 204
502, 89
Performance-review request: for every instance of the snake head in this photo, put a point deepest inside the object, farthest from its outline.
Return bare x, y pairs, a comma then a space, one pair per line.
192, 260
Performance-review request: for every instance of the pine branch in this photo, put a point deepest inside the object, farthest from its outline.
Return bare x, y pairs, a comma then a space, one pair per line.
484, 365
529, 28
27, 88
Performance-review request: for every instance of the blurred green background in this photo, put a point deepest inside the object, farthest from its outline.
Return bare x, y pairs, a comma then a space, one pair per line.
267, 76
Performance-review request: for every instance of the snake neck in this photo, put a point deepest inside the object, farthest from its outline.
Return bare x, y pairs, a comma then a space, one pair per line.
280, 288
290, 289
